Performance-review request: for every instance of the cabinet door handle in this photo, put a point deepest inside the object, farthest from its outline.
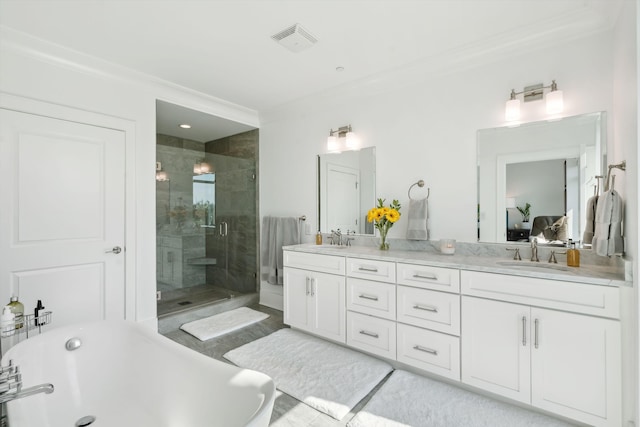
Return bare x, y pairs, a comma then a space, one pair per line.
524, 331
369, 297
535, 331
429, 276
369, 269
369, 334
426, 308
308, 287
313, 286
425, 349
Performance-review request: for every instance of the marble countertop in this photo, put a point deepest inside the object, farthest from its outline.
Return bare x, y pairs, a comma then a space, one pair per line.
589, 274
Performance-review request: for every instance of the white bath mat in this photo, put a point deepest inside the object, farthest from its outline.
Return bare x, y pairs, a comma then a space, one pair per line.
325, 376
407, 399
223, 323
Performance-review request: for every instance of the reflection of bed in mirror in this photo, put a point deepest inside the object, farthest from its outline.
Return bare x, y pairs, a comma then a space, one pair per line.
550, 229
551, 165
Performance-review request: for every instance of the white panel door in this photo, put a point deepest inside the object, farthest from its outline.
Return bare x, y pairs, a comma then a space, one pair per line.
63, 190
343, 198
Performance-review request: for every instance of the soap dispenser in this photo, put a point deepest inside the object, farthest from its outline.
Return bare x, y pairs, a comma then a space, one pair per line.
17, 308
319, 238
573, 256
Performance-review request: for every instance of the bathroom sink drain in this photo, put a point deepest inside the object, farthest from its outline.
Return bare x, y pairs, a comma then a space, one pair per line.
85, 421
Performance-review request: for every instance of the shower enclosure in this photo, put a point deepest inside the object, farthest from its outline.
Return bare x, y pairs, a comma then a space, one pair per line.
206, 219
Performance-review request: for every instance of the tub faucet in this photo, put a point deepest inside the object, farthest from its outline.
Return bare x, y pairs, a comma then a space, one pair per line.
11, 384
534, 250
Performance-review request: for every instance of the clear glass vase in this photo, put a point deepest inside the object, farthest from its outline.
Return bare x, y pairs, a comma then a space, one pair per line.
384, 245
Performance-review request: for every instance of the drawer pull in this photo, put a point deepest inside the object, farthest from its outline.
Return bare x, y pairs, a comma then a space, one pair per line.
426, 308
369, 334
369, 269
369, 297
429, 276
425, 350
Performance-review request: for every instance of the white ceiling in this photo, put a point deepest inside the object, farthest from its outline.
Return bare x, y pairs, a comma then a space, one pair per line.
224, 48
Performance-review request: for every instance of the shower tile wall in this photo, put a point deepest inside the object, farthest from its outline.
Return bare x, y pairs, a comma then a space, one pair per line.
236, 204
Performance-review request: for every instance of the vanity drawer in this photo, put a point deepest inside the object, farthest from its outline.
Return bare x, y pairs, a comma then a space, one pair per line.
437, 278
383, 271
569, 296
429, 350
315, 262
435, 310
371, 334
374, 298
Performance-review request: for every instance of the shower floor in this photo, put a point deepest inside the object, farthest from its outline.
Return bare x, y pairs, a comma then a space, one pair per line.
177, 300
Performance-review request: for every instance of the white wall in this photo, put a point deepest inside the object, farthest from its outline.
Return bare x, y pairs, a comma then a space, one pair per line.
625, 147
34, 69
426, 130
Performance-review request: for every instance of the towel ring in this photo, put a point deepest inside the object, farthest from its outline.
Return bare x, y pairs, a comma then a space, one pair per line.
419, 184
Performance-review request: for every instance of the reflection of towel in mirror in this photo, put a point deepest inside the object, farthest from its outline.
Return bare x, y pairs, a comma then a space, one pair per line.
607, 238
417, 218
276, 233
590, 226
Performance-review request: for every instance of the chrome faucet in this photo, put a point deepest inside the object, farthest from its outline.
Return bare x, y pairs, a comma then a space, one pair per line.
336, 237
11, 384
534, 250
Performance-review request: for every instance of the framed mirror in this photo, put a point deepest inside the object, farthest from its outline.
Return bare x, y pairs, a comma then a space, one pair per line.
346, 190
550, 165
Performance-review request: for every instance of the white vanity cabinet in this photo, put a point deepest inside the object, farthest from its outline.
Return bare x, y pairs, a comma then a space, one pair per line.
314, 294
554, 345
428, 316
371, 306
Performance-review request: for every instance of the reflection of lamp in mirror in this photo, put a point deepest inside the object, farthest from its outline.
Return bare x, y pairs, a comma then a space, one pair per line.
342, 139
554, 100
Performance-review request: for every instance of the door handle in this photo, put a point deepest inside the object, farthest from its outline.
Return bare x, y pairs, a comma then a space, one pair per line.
524, 331
535, 338
115, 250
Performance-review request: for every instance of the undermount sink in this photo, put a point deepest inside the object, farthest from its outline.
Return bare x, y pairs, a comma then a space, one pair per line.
531, 264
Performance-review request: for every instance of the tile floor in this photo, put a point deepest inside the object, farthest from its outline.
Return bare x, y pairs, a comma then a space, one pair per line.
287, 411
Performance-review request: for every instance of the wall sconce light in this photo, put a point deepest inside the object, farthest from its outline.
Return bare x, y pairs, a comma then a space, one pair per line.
554, 99
202, 167
342, 139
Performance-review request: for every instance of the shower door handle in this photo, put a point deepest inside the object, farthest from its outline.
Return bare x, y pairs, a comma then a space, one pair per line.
223, 229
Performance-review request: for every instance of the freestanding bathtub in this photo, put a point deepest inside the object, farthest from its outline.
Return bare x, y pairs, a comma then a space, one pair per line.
123, 375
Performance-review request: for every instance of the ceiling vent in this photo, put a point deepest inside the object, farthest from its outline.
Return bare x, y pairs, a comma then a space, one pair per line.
295, 38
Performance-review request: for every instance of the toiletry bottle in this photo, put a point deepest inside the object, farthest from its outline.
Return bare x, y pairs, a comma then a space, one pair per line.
319, 238
18, 310
7, 322
37, 313
573, 256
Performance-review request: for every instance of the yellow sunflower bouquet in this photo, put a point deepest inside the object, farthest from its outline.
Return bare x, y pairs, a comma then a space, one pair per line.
383, 218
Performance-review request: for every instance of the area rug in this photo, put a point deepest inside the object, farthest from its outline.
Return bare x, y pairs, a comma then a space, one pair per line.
406, 399
325, 376
223, 323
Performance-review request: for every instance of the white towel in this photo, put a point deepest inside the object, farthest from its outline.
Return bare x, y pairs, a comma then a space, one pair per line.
276, 233
607, 238
417, 218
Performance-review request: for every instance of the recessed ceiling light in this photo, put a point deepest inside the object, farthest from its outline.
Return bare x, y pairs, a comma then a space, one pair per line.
339, 69
185, 126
